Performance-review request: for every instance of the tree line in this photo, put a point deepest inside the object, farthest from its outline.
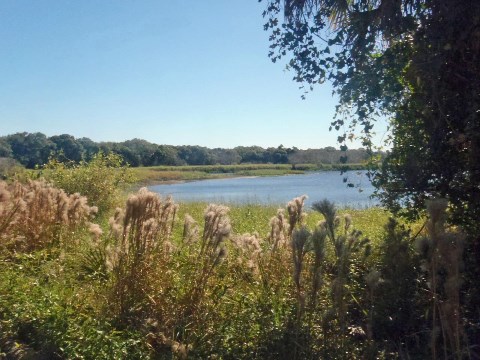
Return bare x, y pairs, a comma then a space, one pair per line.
34, 149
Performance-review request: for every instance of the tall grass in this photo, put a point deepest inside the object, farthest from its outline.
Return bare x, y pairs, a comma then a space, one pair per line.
35, 215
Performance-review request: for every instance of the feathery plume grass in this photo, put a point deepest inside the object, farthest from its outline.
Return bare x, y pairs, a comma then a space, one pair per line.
141, 231
299, 240
211, 253
213, 250
296, 215
216, 229
95, 231
346, 246
279, 230
36, 214
318, 240
250, 250
190, 230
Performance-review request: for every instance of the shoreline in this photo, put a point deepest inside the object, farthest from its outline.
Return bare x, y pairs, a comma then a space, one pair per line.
153, 182
185, 176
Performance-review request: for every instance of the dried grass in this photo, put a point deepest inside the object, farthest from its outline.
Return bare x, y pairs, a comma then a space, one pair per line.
36, 214
141, 249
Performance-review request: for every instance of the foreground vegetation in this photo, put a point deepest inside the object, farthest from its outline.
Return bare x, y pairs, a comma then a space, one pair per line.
143, 277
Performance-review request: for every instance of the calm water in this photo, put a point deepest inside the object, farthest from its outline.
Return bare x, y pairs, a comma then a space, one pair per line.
276, 189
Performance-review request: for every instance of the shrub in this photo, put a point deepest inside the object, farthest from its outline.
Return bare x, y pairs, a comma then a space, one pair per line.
9, 167
100, 180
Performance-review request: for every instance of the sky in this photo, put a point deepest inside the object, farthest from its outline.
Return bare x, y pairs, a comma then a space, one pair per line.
182, 72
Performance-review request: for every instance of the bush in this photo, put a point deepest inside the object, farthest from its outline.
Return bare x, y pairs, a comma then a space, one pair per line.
100, 180
9, 167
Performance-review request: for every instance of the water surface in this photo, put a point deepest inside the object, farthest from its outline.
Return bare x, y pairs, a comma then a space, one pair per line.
276, 189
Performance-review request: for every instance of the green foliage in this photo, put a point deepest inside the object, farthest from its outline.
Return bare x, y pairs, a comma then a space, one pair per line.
397, 319
100, 180
9, 168
5, 148
361, 49
30, 149
47, 315
436, 128
67, 148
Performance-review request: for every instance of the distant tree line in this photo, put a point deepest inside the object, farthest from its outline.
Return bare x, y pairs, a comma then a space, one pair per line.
34, 149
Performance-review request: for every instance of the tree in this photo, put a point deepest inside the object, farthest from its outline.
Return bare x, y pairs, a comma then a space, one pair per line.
131, 157
195, 155
436, 129
278, 155
251, 154
226, 156
5, 149
70, 148
165, 155
90, 148
415, 62
30, 149
142, 149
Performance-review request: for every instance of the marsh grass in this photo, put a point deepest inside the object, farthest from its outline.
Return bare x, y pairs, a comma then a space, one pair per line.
155, 174
158, 174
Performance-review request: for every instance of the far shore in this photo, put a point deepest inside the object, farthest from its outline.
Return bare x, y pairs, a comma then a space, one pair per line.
162, 175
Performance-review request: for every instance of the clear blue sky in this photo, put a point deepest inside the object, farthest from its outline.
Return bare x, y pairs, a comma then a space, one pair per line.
183, 72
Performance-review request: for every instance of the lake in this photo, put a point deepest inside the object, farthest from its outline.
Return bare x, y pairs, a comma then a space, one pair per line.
276, 190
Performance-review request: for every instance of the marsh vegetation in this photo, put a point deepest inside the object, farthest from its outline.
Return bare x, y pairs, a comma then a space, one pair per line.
140, 276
